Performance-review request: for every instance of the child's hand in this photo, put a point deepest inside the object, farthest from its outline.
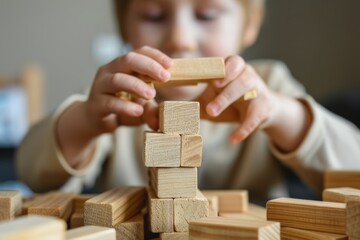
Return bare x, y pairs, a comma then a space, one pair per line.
220, 101
105, 111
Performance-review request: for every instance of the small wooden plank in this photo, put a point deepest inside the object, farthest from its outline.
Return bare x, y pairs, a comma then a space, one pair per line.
33, 227
79, 201
57, 204
10, 204
91, 233
188, 209
213, 205
77, 219
114, 206
181, 117
300, 234
161, 150
256, 211
308, 214
339, 194
243, 216
131, 229
174, 182
174, 236
353, 217
232, 228
230, 200
161, 213
341, 178
191, 150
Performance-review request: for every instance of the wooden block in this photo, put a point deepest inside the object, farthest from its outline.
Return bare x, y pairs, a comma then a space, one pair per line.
161, 150
10, 204
188, 209
296, 234
256, 211
230, 200
57, 204
130, 229
232, 228
341, 178
174, 182
213, 205
339, 194
353, 217
33, 227
174, 236
114, 206
77, 219
161, 213
79, 201
181, 117
243, 216
91, 233
308, 215
191, 150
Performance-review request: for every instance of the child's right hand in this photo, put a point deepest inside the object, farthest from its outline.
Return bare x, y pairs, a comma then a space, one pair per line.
104, 110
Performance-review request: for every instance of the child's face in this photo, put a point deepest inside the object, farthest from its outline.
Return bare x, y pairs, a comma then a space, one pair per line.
186, 28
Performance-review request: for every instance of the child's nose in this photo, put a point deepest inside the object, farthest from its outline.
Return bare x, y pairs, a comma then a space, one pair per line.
181, 39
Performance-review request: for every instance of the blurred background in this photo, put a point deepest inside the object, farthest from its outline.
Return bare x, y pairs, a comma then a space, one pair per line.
53, 48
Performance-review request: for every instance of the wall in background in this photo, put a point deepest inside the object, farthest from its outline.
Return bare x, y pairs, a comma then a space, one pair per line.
318, 39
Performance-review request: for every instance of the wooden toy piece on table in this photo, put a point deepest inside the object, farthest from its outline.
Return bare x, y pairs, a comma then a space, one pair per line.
341, 178
77, 217
339, 194
10, 204
353, 217
130, 229
296, 234
174, 236
91, 233
233, 201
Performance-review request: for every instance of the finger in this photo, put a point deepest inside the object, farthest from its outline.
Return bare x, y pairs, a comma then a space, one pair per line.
112, 105
133, 62
151, 114
231, 93
117, 82
234, 65
156, 55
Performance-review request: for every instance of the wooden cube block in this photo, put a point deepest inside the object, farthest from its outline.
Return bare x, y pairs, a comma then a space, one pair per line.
353, 217
191, 150
232, 228
161, 213
174, 182
10, 204
308, 215
161, 150
114, 206
188, 209
339, 194
130, 229
296, 234
230, 200
174, 236
91, 233
181, 117
341, 178
33, 227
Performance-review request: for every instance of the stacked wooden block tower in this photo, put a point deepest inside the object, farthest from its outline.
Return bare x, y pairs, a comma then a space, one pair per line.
172, 157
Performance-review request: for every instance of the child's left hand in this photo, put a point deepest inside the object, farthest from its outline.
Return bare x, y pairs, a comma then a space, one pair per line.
220, 101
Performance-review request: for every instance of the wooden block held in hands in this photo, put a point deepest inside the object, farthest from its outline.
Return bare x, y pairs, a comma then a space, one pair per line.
33, 227
161, 150
161, 213
341, 178
188, 209
191, 150
232, 228
353, 217
174, 182
339, 194
295, 234
114, 206
181, 117
130, 229
10, 204
91, 233
230, 200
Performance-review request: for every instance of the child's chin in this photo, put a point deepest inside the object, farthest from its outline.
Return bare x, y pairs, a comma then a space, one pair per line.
183, 93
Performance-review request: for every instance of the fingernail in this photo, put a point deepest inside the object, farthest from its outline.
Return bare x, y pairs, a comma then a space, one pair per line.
165, 74
150, 92
214, 108
138, 110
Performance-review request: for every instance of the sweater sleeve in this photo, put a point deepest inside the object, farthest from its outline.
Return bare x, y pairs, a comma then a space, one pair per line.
41, 165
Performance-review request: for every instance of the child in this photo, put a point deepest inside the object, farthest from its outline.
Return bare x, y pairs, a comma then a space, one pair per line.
98, 137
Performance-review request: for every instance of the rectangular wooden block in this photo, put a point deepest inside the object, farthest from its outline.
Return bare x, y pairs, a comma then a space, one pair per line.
232, 228
57, 204
161, 150
161, 213
130, 229
213, 205
181, 117
339, 194
191, 150
91, 233
341, 178
308, 215
174, 236
174, 182
79, 201
114, 206
230, 200
33, 227
77, 219
188, 209
10, 204
353, 217
296, 234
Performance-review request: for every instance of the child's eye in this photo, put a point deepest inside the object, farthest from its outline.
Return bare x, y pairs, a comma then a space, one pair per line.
207, 15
